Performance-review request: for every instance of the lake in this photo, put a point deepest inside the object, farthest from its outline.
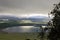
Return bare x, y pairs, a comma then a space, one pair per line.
22, 29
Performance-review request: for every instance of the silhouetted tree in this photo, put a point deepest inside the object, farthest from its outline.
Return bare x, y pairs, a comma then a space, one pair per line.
41, 34
55, 30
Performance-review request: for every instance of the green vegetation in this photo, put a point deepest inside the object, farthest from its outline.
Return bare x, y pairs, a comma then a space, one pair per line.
30, 22
18, 36
8, 24
55, 30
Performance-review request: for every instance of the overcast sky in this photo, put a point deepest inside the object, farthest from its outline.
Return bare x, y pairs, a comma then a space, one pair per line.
18, 7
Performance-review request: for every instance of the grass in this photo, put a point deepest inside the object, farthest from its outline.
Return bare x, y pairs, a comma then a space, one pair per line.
18, 36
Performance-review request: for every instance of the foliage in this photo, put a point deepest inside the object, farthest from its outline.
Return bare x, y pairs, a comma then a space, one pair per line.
55, 31
41, 34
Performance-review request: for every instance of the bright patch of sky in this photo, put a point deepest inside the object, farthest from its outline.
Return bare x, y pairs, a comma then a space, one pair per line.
25, 15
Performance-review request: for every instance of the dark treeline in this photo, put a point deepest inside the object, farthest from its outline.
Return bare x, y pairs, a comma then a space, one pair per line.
54, 33
55, 30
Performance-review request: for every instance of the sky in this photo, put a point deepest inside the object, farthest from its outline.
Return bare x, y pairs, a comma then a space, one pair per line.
26, 8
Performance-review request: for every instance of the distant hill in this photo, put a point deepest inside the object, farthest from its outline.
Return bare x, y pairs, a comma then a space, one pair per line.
39, 19
32, 18
8, 17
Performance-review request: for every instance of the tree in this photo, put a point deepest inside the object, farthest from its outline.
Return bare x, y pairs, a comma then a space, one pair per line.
41, 34
55, 30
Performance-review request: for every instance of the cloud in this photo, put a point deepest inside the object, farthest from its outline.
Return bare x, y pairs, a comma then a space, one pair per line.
26, 6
